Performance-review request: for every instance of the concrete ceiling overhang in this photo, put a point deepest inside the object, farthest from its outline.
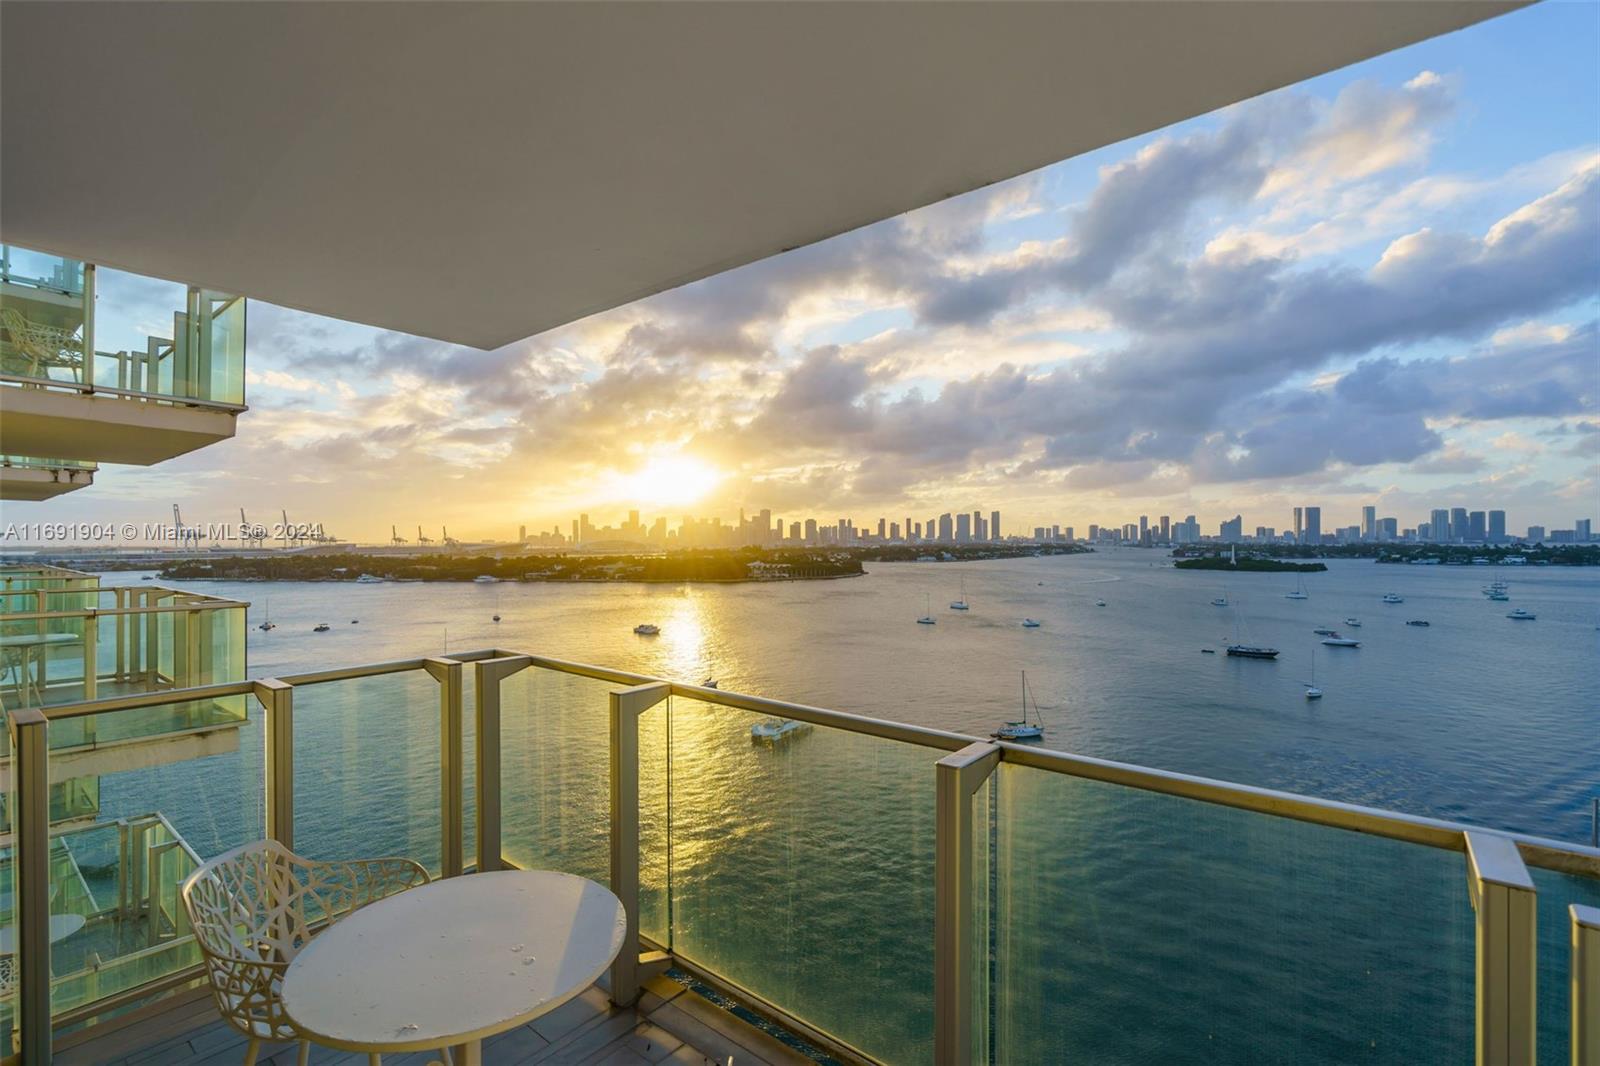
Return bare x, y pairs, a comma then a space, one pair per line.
480, 172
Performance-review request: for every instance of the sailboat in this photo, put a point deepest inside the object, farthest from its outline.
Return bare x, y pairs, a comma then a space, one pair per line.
1312, 691
961, 604
1240, 650
1024, 729
1299, 592
267, 624
927, 615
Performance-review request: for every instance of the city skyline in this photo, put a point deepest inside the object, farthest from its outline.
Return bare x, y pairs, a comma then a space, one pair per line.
1378, 287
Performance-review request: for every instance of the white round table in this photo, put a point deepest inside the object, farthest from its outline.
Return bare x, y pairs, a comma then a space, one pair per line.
61, 927
453, 961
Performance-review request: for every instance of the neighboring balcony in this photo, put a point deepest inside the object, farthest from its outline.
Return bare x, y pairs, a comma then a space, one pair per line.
875, 891
23, 478
152, 398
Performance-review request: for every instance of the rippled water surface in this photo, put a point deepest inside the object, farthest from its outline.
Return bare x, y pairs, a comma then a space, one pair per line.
1129, 927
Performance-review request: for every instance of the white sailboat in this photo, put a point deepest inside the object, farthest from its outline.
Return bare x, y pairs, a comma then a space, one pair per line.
267, 624
1023, 729
1312, 691
961, 604
1299, 592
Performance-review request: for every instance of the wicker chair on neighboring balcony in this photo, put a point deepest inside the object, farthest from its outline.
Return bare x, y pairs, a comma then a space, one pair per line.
252, 910
40, 346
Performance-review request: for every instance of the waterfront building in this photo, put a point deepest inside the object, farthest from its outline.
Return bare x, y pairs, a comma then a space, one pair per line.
425, 180
1439, 524
1460, 529
1389, 528
1299, 525
1313, 533
1535, 534
1369, 523
1232, 530
1581, 530
994, 525
1497, 527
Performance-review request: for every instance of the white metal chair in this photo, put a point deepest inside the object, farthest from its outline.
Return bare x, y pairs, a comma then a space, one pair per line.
252, 910
43, 346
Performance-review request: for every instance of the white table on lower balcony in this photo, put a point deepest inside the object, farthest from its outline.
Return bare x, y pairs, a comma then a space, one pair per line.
452, 962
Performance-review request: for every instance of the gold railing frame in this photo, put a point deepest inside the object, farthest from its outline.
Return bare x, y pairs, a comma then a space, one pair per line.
1498, 883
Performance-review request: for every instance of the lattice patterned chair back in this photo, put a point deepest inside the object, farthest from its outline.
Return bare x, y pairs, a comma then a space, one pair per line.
254, 908
43, 346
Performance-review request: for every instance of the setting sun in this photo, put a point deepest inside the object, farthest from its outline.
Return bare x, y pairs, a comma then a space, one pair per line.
668, 480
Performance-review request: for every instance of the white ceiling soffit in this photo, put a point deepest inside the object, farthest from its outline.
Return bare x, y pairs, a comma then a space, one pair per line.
479, 172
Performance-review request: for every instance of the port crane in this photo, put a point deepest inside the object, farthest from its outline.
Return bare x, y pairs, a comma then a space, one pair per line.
395, 537
179, 533
449, 541
422, 538
287, 539
248, 534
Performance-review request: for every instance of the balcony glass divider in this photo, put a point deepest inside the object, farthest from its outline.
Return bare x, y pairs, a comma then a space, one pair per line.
956, 1028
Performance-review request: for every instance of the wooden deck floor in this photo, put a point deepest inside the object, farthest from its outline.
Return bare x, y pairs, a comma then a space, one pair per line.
670, 1025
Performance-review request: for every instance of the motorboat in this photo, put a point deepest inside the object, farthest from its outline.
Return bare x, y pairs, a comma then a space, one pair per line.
1099, 603
1251, 651
1208, 651
355, 621
1325, 632
1498, 594
321, 627
777, 730
485, 579
1417, 622
645, 629
709, 682
1390, 597
369, 579
1029, 623
496, 618
1023, 729
1519, 615
1334, 640
1352, 623
1220, 601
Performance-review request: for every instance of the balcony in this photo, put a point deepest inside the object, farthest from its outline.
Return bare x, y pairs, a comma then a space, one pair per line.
877, 892
23, 478
69, 645
150, 399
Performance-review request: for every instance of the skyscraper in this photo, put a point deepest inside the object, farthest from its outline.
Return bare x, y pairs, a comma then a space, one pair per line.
1458, 524
994, 525
1299, 527
1581, 530
1369, 523
947, 529
1313, 525
1439, 525
963, 527
1497, 526
1166, 528
1233, 530
1477, 527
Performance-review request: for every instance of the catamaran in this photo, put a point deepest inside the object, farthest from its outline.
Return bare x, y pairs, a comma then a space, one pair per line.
1024, 729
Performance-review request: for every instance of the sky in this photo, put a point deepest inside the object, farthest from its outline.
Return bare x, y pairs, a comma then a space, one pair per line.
1381, 286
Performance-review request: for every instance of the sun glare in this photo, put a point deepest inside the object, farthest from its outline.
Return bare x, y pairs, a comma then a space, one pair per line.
667, 480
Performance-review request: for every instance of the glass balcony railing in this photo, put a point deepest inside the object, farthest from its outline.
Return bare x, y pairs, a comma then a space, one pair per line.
15, 579
889, 893
67, 645
53, 333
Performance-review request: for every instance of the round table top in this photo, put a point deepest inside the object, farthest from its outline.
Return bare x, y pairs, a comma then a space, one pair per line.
61, 927
452, 961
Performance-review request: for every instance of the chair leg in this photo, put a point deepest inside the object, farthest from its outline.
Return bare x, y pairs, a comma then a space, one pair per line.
305, 1053
250, 1051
